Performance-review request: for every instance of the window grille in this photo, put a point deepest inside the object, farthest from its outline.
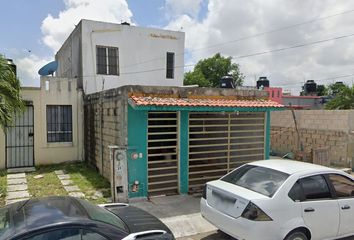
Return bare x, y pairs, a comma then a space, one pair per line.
59, 123
170, 65
107, 60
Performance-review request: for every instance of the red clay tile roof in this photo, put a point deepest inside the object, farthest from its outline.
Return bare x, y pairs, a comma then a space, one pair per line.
202, 102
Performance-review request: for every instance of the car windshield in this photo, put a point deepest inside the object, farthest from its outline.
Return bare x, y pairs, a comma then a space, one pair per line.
102, 215
258, 179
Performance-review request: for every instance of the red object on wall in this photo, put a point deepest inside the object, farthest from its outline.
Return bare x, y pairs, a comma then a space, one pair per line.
275, 94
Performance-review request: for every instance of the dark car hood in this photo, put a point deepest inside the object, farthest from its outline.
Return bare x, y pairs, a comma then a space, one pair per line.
137, 219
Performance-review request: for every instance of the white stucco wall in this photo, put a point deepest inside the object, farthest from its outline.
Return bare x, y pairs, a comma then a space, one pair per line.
142, 55
69, 57
59, 93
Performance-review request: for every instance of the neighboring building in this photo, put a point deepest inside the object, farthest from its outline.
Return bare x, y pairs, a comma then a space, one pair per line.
50, 131
173, 139
308, 101
297, 102
303, 102
106, 55
275, 94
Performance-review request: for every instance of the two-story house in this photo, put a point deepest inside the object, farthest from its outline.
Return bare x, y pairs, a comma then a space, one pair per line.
108, 55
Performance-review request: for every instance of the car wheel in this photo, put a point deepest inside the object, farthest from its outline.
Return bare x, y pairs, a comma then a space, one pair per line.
296, 236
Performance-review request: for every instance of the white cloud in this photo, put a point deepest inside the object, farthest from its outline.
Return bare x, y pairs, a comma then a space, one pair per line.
226, 21
28, 67
179, 7
56, 29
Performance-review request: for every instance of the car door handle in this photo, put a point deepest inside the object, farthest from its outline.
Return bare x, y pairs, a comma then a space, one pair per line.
309, 210
345, 207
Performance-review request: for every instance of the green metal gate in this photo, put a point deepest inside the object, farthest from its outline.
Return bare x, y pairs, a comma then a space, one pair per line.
162, 153
220, 142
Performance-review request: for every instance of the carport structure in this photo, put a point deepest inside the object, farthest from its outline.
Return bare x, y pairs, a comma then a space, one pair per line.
179, 138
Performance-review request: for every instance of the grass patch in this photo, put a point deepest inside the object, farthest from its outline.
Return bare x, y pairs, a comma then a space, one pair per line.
49, 185
89, 181
86, 178
3, 183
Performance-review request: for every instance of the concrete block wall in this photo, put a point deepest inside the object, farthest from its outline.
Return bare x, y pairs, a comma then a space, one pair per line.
104, 126
332, 129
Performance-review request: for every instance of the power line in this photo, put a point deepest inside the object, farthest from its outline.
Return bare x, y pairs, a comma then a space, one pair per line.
275, 30
243, 56
294, 46
254, 54
324, 79
249, 37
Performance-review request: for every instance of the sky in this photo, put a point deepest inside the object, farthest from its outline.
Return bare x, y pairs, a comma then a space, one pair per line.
288, 41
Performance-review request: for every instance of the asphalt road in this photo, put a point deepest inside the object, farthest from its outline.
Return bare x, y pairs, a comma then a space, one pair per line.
218, 235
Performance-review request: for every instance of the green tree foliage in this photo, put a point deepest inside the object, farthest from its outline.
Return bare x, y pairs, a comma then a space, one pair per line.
196, 77
10, 98
336, 88
344, 98
207, 72
322, 90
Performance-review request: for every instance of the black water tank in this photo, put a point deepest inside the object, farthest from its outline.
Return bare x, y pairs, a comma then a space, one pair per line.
226, 82
262, 82
125, 23
337, 87
12, 65
310, 87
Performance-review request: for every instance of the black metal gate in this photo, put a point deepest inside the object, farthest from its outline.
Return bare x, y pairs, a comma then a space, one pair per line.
19, 140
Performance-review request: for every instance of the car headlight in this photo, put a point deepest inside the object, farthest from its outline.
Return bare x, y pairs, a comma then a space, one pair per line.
254, 213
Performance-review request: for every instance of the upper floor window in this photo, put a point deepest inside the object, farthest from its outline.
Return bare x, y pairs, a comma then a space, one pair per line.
107, 59
170, 65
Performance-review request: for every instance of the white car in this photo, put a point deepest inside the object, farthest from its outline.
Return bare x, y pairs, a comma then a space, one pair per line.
281, 199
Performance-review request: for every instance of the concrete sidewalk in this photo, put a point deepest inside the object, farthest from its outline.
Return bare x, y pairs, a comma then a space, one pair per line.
181, 213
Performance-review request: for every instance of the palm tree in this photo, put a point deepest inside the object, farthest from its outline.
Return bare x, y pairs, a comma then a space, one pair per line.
343, 100
10, 98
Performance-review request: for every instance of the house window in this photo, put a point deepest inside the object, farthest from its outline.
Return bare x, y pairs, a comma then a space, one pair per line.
59, 123
170, 65
107, 60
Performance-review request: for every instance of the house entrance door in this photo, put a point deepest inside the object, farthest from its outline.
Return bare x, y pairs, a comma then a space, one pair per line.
20, 140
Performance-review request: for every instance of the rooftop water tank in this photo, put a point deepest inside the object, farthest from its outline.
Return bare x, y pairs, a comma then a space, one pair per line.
11, 63
310, 87
262, 82
226, 82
